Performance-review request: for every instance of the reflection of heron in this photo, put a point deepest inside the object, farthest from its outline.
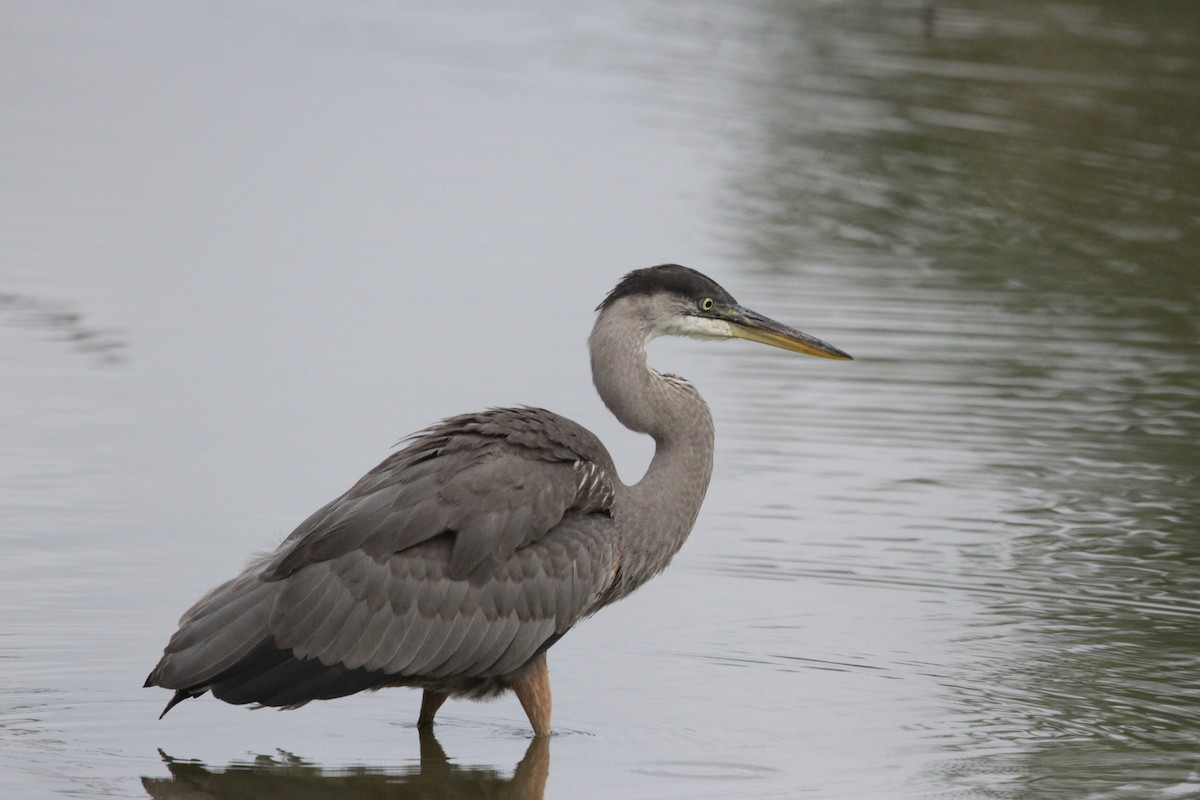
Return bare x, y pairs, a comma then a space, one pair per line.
456, 563
286, 777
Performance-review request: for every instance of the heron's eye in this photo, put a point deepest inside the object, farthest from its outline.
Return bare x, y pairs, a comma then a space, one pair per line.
707, 304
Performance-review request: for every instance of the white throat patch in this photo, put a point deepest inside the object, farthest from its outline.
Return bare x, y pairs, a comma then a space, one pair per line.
697, 328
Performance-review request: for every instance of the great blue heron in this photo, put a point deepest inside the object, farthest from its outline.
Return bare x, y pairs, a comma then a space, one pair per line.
457, 562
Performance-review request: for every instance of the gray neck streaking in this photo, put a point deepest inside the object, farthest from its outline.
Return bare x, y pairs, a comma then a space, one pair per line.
659, 511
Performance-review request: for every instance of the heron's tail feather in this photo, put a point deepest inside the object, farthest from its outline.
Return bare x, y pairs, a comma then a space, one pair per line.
180, 696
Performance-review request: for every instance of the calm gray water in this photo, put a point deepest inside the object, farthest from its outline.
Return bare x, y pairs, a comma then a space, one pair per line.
246, 247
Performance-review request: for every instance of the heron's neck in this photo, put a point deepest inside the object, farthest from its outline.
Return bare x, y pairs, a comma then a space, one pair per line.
660, 510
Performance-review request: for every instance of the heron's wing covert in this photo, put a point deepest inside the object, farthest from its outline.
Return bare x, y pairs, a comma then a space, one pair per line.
495, 482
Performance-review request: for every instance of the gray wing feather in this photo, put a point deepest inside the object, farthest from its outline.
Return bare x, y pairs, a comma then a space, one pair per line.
377, 632
409, 618
528, 639
452, 638
303, 603
216, 633
475, 629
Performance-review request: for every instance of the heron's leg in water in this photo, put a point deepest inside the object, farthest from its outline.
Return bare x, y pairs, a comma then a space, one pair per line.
533, 690
430, 703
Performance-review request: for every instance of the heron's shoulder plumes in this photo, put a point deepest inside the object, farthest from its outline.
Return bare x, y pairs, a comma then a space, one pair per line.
667, 278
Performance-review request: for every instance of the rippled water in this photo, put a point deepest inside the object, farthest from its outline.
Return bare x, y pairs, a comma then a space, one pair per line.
245, 247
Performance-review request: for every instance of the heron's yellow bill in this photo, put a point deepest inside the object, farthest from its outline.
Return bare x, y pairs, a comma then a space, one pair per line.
757, 328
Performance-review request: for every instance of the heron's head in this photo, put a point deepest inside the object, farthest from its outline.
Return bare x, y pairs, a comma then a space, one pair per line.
672, 300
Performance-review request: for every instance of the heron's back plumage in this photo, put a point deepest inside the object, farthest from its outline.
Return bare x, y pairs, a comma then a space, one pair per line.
450, 565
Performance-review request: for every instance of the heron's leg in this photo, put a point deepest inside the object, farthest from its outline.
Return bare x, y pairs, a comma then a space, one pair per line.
431, 701
533, 690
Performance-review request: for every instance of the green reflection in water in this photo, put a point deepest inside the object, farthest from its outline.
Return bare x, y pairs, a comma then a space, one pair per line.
1011, 197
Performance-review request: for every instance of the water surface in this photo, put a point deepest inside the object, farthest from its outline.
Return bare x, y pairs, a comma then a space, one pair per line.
247, 247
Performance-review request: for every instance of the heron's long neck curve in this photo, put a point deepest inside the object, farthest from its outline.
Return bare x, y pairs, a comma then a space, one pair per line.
658, 512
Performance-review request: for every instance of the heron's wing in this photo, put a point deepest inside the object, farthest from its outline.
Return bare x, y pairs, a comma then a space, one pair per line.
407, 615
494, 481
464, 554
